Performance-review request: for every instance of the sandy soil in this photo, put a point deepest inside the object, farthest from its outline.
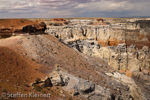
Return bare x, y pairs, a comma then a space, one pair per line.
16, 23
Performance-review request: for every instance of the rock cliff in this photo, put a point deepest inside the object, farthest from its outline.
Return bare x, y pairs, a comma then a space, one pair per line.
124, 45
136, 33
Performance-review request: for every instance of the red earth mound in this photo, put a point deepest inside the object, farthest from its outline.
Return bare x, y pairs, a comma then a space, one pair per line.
17, 74
8, 26
15, 23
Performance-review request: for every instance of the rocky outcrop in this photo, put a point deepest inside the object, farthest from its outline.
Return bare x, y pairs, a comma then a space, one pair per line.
142, 79
88, 89
41, 27
124, 46
121, 58
34, 28
136, 92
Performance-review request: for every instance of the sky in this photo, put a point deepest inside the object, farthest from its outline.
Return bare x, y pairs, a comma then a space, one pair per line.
73, 8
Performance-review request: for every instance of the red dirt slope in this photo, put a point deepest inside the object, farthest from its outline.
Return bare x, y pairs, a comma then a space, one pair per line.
16, 74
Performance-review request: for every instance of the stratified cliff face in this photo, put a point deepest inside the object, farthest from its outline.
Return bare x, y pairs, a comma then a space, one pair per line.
140, 36
136, 33
123, 44
105, 41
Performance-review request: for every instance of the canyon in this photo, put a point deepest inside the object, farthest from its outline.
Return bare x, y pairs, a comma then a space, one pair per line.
123, 44
95, 58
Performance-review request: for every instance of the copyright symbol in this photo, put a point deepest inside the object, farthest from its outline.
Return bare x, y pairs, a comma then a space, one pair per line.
3, 95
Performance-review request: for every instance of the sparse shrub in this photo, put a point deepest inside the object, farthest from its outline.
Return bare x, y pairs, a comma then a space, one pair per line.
12, 25
33, 59
21, 21
14, 75
52, 91
24, 89
70, 98
3, 90
48, 88
79, 76
35, 69
37, 80
57, 87
27, 85
38, 88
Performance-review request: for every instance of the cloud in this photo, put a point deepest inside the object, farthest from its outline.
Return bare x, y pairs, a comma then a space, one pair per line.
74, 8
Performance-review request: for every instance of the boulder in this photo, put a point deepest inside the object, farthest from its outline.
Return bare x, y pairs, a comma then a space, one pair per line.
57, 80
47, 83
66, 80
29, 28
84, 87
34, 28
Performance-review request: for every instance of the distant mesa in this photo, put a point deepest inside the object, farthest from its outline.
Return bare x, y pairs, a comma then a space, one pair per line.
100, 19
58, 19
58, 22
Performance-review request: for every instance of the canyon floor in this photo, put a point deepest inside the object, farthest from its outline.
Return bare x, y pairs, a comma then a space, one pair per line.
75, 59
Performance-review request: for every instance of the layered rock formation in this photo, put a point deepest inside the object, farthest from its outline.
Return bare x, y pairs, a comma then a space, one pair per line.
122, 45
77, 86
94, 39
121, 58
136, 33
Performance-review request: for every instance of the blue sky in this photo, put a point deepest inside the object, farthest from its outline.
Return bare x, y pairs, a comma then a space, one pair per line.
73, 8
